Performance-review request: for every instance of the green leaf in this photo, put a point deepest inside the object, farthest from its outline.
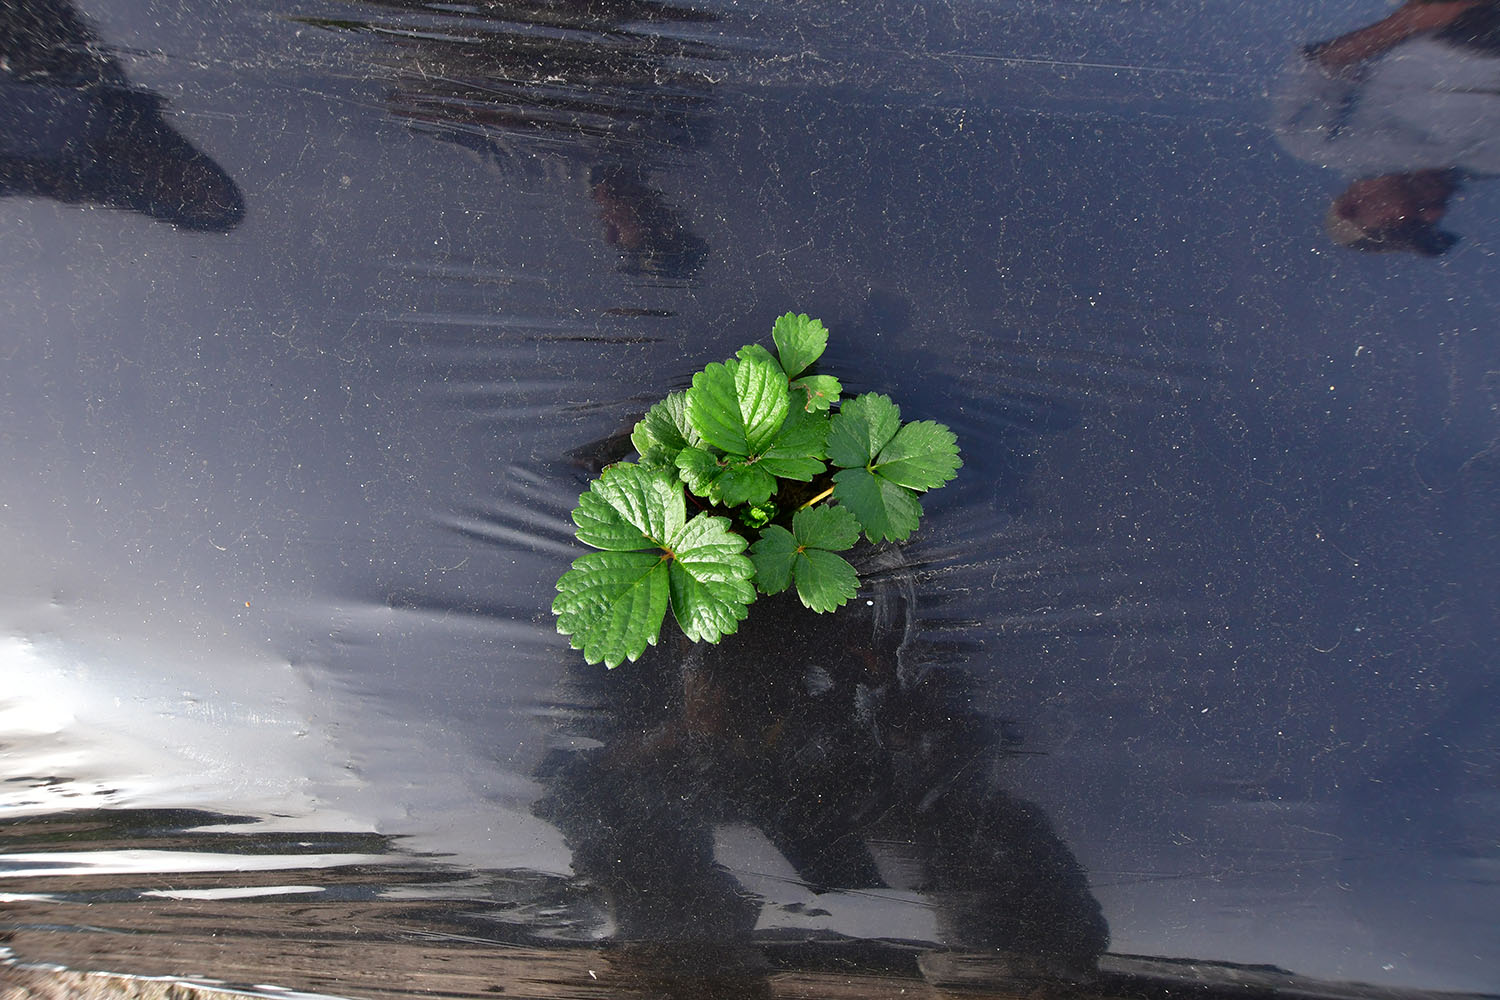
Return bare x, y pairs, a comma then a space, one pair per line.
886, 511
757, 515
630, 507
922, 456
612, 603
762, 436
754, 352
884, 463
743, 483
774, 554
861, 428
825, 582
710, 579
800, 341
798, 450
664, 431
805, 555
822, 391
738, 406
825, 528
700, 470
724, 479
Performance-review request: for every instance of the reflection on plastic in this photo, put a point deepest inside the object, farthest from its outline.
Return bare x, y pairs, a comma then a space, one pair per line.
1409, 106
859, 764
1222, 561
599, 92
72, 128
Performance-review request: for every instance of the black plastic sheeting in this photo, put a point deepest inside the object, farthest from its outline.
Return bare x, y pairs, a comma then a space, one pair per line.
315, 318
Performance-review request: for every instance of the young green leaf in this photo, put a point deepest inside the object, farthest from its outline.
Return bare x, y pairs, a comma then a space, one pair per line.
800, 341
885, 464
738, 406
798, 449
757, 515
805, 555
664, 431
728, 480
748, 441
611, 604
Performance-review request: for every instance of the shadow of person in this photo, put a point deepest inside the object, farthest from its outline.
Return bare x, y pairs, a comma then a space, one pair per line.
72, 128
1408, 108
601, 93
861, 760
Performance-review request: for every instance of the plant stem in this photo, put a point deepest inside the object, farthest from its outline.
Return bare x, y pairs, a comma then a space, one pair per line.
821, 496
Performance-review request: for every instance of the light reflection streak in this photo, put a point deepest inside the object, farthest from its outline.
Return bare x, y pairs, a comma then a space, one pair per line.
74, 863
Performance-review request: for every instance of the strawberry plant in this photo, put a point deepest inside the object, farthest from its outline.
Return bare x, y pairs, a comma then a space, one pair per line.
752, 481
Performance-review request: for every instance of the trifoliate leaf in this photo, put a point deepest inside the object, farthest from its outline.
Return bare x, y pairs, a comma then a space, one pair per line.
612, 603
922, 456
805, 555
861, 428
886, 511
710, 579
884, 464
738, 406
800, 341
822, 391
798, 449
664, 431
